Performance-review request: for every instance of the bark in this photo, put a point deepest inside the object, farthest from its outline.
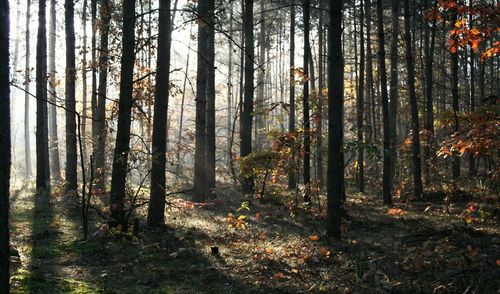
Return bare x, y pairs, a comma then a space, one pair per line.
387, 180
230, 85
156, 206
27, 131
292, 182
260, 100
335, 182
84, 79
55, 166
369, 77
417, 170
200, 171
360, 106
321, 85
246, 114
454, 97
393, 99
42, 148
71, 151
122, 148
210, 150
5, 142
99, 115
305, 107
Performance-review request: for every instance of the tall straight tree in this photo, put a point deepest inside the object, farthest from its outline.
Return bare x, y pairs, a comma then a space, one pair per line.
71, 151
210, 150
42, 147
417, 169
335, 182
246, 114
55, 166
321, 85
305, 106
455, 164
122, 146
84, 78
292, 182
27, 131
200, 161
156, 206
387, 180
360, 104
393, 91
260, 100
369, 74
4, 147
99, 101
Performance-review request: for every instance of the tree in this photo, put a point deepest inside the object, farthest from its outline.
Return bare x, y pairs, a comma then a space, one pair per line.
4, 147
246, 114
27, 132
335, 182
360, 105
156, 208
417, 169
305, 106
71, 151
200, 165
99, 101
371, 134
455, 164
122, 147
55, 166
42, 148
393, 91
210, 150
292, 182
321, 85
387, 179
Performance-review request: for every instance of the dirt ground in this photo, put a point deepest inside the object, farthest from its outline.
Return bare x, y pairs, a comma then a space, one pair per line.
420, 247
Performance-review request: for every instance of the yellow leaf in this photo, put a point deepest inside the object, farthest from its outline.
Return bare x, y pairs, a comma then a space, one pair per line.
269, 250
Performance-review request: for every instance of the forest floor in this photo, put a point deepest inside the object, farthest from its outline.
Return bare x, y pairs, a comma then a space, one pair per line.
419, 247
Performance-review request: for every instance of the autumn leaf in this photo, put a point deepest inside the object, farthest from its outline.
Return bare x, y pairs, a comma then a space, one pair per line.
269, 250
396, 211
314, 237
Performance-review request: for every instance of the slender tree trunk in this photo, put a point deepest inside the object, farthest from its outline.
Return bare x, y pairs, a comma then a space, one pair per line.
360, 106
124, 117
321, 85
200, 165
100, 106
230, 85
71, 151
454, 96
335, 182
369, 77
260, 103
246, 114
292, 182
417, 170
5, 142
181, 118
27, 131
55, 167
156, 206
305, 107
210, 150
84, 79
393, 99
472, 160
387, 179
42, 148
93, 94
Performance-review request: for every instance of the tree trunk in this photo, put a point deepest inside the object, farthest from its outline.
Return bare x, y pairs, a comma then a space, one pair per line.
292, 175
230, 86
335, 182
27, 131
393, 99
260, 103
124, 117
360, 106
84, 80
42, 148
454, 97
246, 114
156, 206
71, 151
55, 167
369, 77
321, 85
200, 165
417, 170
210, 150
305, 107
99, 115
4, 147
387, 178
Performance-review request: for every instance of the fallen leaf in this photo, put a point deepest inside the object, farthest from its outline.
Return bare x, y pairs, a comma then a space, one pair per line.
269, 250
314, 237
